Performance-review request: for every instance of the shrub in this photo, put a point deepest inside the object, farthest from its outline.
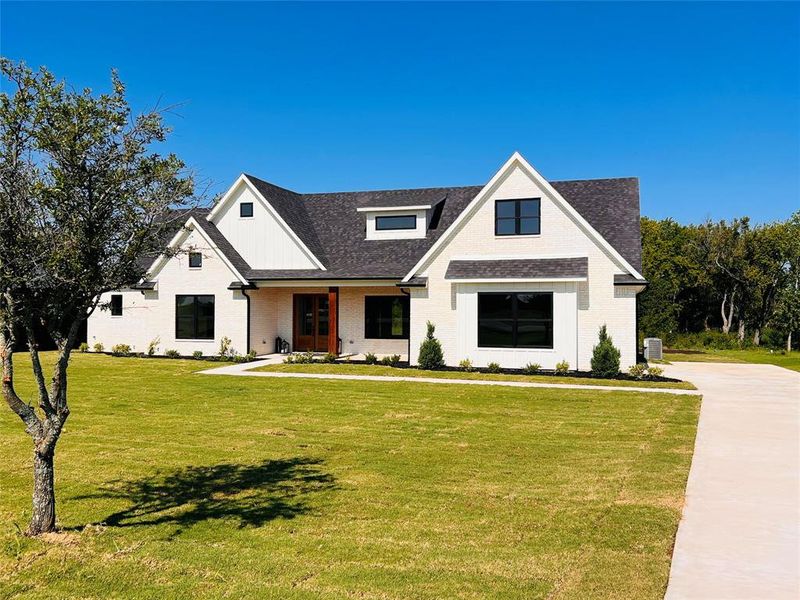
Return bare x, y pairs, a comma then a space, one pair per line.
172, 354
84, 347
251, 355
197, 354
304, 358
370, 358
121, 350
654, 372
532, 368
239, 358
152, 347
289, 359
330, 357
98, 347
430, 351
466, 365
562, 368
605, 357
637, 371
225, 350
391, 361
493, 367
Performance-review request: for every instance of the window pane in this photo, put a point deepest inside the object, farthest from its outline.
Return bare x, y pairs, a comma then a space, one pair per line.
495, 320
529, 208
116, 305
205, 317
529, 226
396, 318
495, 306
386, 317
506, 208
505, 227
535, 306
322, 316
305, 306
246, 209
534, 334
195, 259
396, 222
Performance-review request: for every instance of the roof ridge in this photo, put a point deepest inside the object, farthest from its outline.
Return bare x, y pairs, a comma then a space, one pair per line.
420, 189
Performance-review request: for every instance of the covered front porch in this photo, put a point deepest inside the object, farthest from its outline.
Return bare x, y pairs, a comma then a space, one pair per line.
346, 319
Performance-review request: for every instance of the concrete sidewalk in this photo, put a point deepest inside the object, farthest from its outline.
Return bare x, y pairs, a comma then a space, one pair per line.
243, 369
739, 536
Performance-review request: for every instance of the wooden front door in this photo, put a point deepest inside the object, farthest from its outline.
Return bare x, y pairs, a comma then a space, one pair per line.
311, 322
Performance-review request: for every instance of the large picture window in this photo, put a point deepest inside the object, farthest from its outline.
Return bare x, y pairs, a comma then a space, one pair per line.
515, 320
194, 317
386, 317
391, 223
517, 217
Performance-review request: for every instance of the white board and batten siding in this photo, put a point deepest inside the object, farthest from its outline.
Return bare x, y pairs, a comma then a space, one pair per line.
150, 315
261, 240
452, 306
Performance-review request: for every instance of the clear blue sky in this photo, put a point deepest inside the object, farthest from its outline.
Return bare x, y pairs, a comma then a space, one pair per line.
700, 101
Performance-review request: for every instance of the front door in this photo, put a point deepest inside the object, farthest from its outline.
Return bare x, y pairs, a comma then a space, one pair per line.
311, 322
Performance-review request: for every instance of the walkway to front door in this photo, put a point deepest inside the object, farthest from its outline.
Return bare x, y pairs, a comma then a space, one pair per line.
311, 322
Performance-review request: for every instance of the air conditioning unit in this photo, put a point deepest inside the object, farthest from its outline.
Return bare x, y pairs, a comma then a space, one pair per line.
652, 349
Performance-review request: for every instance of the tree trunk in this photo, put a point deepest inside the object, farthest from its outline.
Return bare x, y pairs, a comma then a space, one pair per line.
726, 324
741, 330
789, 343
757, 336
44, 495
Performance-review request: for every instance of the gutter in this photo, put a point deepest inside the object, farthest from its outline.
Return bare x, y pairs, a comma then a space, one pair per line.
243, 288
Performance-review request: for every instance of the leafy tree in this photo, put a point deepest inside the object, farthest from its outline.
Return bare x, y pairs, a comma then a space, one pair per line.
430, 351
83, 198
605, 356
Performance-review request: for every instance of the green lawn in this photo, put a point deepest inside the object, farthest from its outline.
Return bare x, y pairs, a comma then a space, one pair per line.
178, 485
755, 355
359, 369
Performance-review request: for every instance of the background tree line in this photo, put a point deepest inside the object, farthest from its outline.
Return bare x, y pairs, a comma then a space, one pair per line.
722, 284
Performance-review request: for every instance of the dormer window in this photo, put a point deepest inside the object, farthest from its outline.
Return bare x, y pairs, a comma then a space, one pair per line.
246, 209
395, 222
518, 217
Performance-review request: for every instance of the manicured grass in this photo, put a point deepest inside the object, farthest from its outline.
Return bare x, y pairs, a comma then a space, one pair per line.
756, 355
386, 371
178, 485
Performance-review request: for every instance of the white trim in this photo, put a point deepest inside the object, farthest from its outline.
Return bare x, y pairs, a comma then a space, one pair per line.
192, 225
515, 256
270, 209
519, 280
283, 283
413, 207
517, 160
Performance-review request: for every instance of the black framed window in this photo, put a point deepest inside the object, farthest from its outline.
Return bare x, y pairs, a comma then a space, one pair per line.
116, 305
195, 260
515, 320
518, 217
386, 317
194, 317
246, 209
389, 223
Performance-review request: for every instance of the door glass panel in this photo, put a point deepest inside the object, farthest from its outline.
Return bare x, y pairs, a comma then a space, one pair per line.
322, 314
306, 310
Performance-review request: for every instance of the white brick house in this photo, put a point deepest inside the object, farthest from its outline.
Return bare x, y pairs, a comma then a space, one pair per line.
519, 270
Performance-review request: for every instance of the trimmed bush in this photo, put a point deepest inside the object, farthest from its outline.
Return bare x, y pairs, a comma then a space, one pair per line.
562, 368
172, 354
197, 354
370, 358
391, 361
84, 347
654, 372
98, 347
330, 357
289, 360
466, 365
304, 359
605, 356
431, 356
637, 371
532, 368
121, 350
493, 367
251, 355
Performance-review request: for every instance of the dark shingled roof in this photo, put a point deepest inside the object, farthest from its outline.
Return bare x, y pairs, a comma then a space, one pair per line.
334, 232
534, 268
628, 280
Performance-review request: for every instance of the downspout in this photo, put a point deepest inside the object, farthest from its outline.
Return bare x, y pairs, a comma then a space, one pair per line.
247, 337
407, 292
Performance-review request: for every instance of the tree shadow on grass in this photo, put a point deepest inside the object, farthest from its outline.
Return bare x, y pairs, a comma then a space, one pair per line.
250, 494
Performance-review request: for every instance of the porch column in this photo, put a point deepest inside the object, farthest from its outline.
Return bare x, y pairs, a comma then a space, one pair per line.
333, 320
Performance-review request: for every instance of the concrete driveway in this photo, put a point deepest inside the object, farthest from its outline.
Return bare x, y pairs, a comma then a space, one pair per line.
739, 535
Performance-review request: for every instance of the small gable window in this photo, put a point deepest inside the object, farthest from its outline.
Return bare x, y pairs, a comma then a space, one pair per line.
246, 209
195, 260
517, 217
394, 222
116, 305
